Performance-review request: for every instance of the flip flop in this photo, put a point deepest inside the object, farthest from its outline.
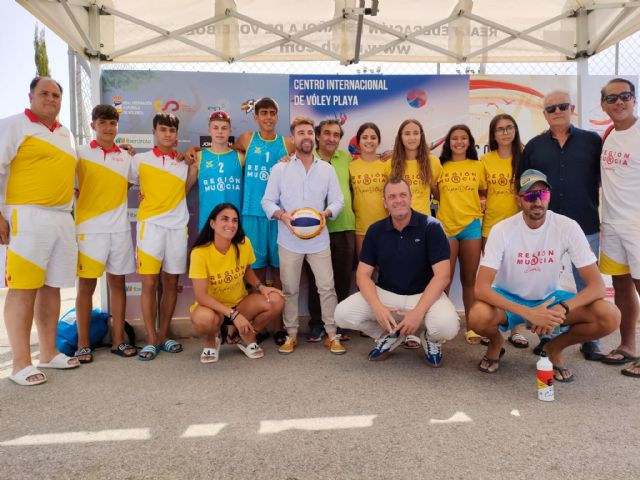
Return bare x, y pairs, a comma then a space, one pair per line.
411, 342
627, 371
21, 377
170, 346
253, 350
59, 362
562, 378
491, 362
151, 349
81, 352
121, 349
518, 340
626, 357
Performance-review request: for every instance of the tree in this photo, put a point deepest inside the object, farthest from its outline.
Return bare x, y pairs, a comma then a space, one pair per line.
41, 58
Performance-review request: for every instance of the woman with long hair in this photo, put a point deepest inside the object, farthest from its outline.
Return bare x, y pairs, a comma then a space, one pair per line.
367, 175
460, 185
411, 160
220, 267
501, 166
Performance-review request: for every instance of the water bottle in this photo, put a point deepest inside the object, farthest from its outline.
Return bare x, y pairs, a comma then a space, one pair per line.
545, 380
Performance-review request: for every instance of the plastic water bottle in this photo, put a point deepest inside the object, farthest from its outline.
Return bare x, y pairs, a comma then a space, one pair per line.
545, 380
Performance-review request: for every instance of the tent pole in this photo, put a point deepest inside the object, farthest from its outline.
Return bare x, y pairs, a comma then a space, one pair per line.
582, 44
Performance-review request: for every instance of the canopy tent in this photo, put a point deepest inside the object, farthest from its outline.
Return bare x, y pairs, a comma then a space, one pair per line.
348, 31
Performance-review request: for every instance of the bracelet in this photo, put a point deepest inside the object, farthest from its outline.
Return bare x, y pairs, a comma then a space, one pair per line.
258, 285
233, 314
565, 306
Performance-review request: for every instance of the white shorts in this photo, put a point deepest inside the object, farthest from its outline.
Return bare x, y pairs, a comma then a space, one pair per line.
620, 250
42, 247
98, 252
161, 248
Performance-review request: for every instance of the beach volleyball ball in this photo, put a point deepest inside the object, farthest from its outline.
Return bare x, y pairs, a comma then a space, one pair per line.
306, 222
417, 98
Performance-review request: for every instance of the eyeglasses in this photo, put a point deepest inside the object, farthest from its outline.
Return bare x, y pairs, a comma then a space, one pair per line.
505, 130
219, 115
613, 98
562, 106
531, 196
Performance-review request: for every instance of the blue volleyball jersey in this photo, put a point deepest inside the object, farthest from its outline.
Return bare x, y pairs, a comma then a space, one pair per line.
260, 158
219, 181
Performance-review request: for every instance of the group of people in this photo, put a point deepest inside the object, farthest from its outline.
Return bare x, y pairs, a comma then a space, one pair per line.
507, 218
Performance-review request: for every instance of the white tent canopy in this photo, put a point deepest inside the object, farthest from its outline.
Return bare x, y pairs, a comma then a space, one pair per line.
348, 31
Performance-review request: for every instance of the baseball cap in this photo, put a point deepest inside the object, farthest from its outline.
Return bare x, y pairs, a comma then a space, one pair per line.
529, 178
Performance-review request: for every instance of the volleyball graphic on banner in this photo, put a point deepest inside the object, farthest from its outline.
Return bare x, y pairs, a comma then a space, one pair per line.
417, 98
306, 222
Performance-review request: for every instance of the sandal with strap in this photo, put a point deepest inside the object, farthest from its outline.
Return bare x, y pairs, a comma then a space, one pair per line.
121, 350
473, 338
152, 352
411, 342
29, 371
60, 362
170, 346
83, 352
211, 354
252, 351
518, 340
491, 362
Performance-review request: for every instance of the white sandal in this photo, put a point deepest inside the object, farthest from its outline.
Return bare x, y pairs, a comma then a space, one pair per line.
252, 350
411, 342
21, 377
60, 362
211, 354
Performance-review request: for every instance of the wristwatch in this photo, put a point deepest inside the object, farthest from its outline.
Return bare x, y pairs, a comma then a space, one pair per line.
565, 306
258, 285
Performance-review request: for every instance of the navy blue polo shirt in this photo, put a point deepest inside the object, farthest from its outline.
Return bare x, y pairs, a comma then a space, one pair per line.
404, 259
573, 172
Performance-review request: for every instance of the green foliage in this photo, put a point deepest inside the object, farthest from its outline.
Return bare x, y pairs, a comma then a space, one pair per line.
41, 58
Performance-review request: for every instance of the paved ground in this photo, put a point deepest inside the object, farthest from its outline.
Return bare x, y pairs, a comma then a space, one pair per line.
314, 415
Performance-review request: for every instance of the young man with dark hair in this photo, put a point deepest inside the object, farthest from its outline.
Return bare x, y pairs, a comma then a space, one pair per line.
161, 230
262, 149
103, 229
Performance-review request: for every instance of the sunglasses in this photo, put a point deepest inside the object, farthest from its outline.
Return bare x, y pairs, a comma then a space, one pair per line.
505, 130
613, 98
219, 115
533, 195
562, 106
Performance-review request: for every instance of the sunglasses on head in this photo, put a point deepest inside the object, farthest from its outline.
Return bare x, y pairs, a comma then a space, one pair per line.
562, 106
533, 195
219, 115
613, 98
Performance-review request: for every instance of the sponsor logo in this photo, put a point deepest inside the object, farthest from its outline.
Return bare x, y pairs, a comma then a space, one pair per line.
138, 140
171, 106
133, 289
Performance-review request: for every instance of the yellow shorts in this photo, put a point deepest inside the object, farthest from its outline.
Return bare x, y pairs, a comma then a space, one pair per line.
98, 252
42, 247
620, 250
161, 248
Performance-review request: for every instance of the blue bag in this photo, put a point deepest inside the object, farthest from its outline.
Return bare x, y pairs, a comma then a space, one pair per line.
67, 336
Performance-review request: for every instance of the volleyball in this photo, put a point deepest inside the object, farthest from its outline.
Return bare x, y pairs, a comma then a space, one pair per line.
417, 98
306, 222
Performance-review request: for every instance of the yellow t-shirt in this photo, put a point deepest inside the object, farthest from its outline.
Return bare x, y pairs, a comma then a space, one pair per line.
224, 273
458, 184
420, 193
501, 194
367, 184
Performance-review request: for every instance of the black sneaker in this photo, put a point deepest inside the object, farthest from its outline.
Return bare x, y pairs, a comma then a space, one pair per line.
315, 334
